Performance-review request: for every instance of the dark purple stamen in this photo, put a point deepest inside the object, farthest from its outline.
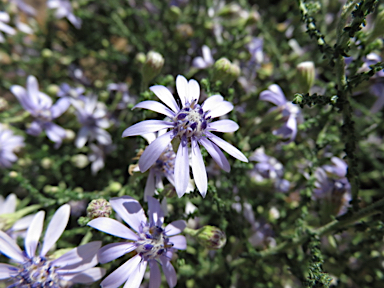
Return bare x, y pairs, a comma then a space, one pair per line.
161, 251
194, 125
148, 246
204, 125
181, 116
201, 111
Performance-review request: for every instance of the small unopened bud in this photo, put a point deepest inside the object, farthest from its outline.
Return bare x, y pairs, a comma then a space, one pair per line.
99, 208
183, 32
140, 59
80, 160
3, 104
69, 135
152, 66
225, 71
46, 53
305, 75
114, 186
13, 174
53, 89
211, 237
46, 163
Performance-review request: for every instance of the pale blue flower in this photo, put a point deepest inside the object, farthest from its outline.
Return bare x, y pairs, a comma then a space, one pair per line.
9, 143
153, 244
290, 112
40, 106
4, 18
192, 125
31, 270
205, 61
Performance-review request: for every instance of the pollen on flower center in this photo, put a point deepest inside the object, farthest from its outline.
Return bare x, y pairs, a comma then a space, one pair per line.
153, 242
37, 270
44, 115
191, 121
166, 162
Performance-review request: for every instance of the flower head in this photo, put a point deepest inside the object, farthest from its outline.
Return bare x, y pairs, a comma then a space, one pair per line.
192, 125
8, 144
40, 106
75, 266
289, 111
152, 243
92, 115
205, 61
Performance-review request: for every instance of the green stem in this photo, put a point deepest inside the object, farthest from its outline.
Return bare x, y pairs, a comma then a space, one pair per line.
15, 119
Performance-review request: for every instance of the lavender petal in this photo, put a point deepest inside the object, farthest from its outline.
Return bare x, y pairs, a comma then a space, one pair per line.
150, 185
130, 210
115, 250
60, 107
156, 214
34, 233
89, 276
182, 89
216, 154
193, 90
198, 168
113, 227
165, 96
121, 274
230, 149
10, 249
78, 255
211, 102
155, 276
157, 107
145, 127
169, 271
223, 126
136, 276
179, 242
274, 94
181, 169
220, 109
55, 228
9, 271
174, 228
82, 137
154, 150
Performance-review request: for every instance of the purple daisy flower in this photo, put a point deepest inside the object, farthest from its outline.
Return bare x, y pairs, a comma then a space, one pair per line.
8, 144
290, 112
153, 244
40, 106
71, 93
92, 115
192, 125
75, 266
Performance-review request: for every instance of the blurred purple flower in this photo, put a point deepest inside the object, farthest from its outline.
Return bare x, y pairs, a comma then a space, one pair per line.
152, 243
97, 157
22, 6
4, 18
71, 93
64, 9
75, 266
8, 144
40, 106
332, 185
289, 111
125, 98
268, 168
205, 61
191, 124
92, 115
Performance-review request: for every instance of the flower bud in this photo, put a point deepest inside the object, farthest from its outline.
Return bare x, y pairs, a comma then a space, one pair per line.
211, 237
80, 160
99, 208
152, 66
3, 104
114, 186
305, 75
140, 59
53, 89
225, 71
46, 163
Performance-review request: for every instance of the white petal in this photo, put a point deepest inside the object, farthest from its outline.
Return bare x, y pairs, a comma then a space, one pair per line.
113, 227
88, 276
137, 276
130, 210
34, 233
230, 149
9, 205
115, 250
176, 227
7, 271
193, 90
146, 126
9, 248
164, 95
216, 154
198, 169
223, 126
211, 102
181, 169
55, 228
157, 107
220, 109
182, 89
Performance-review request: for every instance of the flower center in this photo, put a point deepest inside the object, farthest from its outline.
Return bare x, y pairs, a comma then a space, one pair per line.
191, 121
153, 242
44, 115
37, 273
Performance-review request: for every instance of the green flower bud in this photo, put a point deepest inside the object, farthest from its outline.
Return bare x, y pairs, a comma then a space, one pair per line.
3, 104
140, 59
46, 163
173, 13
152, 66
80, 161
114, 186
69, 135
211, 237
305, 75
53, 89
225, 71
46, 53
99, 208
